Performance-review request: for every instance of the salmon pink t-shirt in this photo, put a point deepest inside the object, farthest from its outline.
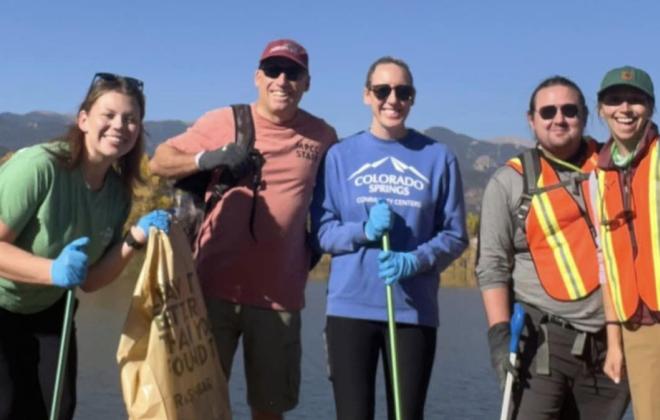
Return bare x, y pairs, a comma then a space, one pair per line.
270, 272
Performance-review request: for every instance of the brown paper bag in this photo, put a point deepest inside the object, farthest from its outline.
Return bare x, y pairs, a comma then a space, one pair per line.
167, 356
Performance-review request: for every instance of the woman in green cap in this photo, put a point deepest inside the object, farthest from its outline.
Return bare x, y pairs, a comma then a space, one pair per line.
625, 204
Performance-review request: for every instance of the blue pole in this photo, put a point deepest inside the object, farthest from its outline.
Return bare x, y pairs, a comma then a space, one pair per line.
516, 325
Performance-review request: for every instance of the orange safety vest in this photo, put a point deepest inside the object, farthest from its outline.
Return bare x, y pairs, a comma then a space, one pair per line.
560, 235
630, 234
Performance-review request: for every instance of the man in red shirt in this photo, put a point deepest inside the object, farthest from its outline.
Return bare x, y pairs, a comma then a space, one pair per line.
254, 286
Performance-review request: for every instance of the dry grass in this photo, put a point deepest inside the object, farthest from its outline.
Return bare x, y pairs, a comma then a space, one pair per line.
459, 274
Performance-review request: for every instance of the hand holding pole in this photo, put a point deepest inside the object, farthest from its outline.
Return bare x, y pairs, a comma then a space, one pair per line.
517, 323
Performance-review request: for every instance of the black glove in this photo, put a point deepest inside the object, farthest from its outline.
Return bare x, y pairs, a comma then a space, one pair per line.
231, 157
499, 336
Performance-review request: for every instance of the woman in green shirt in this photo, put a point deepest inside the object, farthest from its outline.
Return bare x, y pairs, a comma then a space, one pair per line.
62, 210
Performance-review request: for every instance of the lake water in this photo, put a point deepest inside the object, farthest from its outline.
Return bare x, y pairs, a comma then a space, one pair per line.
462, 386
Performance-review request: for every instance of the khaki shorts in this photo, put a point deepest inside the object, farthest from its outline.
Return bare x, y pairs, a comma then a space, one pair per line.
271, 351
642, 352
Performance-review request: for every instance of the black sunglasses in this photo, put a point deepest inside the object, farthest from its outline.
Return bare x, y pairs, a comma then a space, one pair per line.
548, 112
273, 71
111, 77
402, 92
618, 99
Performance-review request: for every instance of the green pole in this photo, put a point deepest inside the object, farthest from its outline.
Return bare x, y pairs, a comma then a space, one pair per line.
64, 352
391, 324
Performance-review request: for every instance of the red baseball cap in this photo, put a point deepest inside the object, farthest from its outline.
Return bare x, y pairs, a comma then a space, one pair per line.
286, 48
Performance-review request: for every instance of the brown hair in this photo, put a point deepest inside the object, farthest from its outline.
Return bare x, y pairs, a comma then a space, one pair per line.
559, 81
388, 60
127, 166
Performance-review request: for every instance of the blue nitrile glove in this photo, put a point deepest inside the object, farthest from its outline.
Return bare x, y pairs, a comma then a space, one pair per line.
395, 266
69, 269
231, 157
159, 219
380, 220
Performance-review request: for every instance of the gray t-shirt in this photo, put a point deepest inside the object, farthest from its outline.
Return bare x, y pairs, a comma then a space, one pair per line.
504, 255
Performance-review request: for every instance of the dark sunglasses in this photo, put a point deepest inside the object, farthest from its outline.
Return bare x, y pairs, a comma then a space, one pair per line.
548, 112
618, 99
291, 73
111, 77
402, 92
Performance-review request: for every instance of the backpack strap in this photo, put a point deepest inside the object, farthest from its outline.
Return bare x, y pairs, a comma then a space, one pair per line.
244, 134
244, 124
531, 170
245, 137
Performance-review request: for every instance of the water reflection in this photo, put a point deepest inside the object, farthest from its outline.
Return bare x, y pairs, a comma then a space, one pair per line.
462, 383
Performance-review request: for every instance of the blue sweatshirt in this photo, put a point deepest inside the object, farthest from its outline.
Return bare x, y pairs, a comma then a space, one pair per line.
421, 181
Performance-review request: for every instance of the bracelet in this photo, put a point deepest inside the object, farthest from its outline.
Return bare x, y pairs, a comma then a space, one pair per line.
613, 323
132, 242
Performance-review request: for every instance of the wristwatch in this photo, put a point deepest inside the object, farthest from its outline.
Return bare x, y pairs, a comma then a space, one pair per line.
131, 241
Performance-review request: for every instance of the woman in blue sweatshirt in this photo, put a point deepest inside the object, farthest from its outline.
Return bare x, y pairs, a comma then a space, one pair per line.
396, 180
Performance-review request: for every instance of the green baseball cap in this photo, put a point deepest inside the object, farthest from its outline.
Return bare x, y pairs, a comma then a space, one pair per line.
628, 76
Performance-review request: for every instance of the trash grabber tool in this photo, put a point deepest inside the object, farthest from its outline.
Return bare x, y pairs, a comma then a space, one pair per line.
516, 325
391, 324
64, 352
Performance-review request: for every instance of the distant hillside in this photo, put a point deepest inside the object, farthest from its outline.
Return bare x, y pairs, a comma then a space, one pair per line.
478, 159
18, 131
512, 140
159, 131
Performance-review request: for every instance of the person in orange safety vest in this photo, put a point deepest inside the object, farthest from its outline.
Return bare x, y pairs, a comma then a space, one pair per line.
537, 246
625, 205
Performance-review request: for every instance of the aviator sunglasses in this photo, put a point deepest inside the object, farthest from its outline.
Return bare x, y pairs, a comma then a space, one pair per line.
402, 92
548, 112
111, 77
291, 73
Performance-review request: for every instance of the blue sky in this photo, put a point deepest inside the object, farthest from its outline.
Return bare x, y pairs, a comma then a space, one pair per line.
475, 63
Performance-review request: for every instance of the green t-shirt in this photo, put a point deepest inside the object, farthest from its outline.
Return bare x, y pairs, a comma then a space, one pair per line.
48, 206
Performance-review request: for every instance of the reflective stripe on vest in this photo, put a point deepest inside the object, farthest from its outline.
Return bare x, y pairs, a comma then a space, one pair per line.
559, 236
624, 230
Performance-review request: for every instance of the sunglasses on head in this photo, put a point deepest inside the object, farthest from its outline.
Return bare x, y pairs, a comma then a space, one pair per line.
618, 99
291, 73
548, 112
111, 77
402, 92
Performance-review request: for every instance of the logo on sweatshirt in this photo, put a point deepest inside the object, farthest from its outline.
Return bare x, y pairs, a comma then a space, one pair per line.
389, 176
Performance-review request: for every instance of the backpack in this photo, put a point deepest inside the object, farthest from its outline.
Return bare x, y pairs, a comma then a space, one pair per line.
191, 208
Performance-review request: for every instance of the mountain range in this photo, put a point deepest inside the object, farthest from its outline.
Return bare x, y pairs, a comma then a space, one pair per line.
18, 130
478, 159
